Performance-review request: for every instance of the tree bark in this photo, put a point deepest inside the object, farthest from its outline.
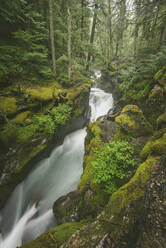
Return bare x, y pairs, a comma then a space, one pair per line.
92, 34
82, 18
69, 42
110, 29
52, 37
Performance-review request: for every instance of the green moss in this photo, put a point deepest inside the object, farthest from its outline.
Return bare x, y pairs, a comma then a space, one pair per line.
130, 196
161, 120
72, 94
8, 105
55, 237
132, 109
160, 76
8, 134
42, 94
93, 140
27, 158
121, 135
133, 121
21, 117
156, 145
125, 120
63, 232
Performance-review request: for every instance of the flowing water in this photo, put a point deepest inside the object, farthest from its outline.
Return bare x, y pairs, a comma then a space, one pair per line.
28, 212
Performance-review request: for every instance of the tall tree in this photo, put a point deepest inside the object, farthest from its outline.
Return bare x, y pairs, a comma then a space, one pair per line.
92, 35
52, 37
69, 42
109, 2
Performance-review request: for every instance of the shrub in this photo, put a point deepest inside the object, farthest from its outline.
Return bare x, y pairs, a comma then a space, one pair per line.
61, 114
43, 124
113, 165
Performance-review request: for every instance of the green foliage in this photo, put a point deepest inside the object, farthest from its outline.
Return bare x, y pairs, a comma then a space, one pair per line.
113, 164
43, 124
61, 114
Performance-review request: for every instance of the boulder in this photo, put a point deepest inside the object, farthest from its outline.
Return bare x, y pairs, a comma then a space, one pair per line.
133, 121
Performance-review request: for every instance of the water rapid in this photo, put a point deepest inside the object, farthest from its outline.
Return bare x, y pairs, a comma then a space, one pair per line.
28, 211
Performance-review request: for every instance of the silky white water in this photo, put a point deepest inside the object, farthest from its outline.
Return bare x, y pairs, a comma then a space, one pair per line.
28, 212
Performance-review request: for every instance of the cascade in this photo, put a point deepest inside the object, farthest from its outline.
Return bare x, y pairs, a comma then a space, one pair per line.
28, 211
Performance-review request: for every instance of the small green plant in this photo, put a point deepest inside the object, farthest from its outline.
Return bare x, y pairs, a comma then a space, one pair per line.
44, 124
113, 165
61, 114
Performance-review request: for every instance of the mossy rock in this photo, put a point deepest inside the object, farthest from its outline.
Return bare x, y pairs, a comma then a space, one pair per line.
8, 106
20, 118
92, 141
41, 94
67, 208
156, 94
55, 237
156, 145
120, 215
133, 121
126, 204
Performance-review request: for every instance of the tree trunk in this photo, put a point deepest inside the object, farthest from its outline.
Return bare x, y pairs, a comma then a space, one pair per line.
69, 42
52, 37
92, 34
82, 18
110, 29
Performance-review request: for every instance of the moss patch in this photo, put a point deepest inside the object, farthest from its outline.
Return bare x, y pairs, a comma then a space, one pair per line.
160, 76
128, 200
42, 94
133, 121
93, 140
156, 145
161, 120
8, 105
21, 117
55, 237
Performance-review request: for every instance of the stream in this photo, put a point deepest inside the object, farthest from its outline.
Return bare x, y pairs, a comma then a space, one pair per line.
28, 211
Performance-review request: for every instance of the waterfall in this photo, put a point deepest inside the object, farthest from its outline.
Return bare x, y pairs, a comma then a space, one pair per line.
28, 211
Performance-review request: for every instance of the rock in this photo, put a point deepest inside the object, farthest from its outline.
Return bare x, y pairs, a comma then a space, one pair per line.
156, 94
133, 121
66, 208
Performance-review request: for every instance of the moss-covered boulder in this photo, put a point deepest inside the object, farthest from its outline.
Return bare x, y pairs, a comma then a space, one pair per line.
120, 216
42, 94
8, 106
133, 121
55, 237
156, 94
68, 208
156, 145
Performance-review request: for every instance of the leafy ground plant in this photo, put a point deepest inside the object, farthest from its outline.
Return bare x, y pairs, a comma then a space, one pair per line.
113, 165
